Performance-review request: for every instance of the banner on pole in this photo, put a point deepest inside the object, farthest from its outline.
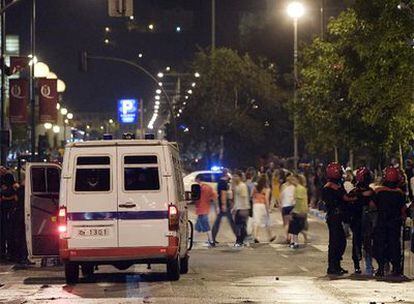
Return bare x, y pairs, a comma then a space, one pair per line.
19, 99
48, 98
18, 63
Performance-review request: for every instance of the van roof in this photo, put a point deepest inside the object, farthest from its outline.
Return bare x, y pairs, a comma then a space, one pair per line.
122, 142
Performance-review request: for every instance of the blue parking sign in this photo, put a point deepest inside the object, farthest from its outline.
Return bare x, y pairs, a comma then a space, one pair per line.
128, 111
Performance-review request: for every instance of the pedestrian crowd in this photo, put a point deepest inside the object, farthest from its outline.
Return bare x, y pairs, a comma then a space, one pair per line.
372, 208
247, 198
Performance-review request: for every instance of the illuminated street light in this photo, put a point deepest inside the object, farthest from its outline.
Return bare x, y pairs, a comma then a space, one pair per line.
48, 126
88, 126
197, 75
151, 26
157, 102
140, 55
190, 91
156, 107
160, 75
61, 86
186, 97
158, 91
178, 29
58, 106
193, 84
157, 97
51, 75
160, 84
34, 60
168, 68
107, 29
69, 116
106, 41
41, 70
56, 129
295, 10
66, 121
111, 121
63, 111
131, 17
102, 127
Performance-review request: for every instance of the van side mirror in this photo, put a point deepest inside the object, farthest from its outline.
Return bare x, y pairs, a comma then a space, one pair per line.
195, 192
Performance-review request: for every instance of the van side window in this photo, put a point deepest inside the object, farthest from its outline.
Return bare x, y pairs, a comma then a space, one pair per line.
141, 173
178, 178
93, 174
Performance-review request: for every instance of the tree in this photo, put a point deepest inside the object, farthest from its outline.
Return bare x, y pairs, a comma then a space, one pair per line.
234, 105
356, 86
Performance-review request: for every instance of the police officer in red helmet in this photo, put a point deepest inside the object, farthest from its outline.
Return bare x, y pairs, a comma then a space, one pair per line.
336, 200
390, 203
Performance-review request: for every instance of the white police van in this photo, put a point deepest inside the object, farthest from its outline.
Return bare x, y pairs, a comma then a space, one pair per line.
121, 202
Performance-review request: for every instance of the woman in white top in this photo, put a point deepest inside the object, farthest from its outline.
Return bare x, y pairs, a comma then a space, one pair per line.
287, 200
261, 205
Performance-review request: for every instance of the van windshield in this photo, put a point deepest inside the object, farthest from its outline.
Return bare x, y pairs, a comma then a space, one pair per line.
141, 173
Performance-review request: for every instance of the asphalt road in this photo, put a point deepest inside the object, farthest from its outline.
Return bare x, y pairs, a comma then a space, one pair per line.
261, 273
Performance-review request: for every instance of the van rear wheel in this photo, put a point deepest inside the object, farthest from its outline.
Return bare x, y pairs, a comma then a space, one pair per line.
87, 270
71, 273
184, 264
173, 269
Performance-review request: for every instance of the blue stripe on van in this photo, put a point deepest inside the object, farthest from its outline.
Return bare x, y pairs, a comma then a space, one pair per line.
124, 215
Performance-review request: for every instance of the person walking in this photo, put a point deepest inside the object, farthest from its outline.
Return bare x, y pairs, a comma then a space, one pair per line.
224, 208
241, 208
335, 199
207, 195
390, 203
287, 200
300, 211
261, 205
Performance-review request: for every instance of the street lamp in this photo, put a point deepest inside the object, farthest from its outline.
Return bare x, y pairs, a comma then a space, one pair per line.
63, 111
295, 10
111, 121
48, 126
41, 70
69, 116
160, 74
61, 86
56, 129
197, 75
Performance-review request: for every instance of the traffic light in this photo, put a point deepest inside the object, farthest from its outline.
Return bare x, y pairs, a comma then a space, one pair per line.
83, 61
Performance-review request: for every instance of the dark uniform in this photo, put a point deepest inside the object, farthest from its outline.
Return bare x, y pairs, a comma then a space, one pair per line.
362, 221
333, 196
390, 202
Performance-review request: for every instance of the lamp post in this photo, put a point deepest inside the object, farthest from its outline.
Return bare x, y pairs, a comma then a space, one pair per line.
295, 10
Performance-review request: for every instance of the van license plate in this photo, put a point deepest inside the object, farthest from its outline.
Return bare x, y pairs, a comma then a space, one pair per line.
94, 232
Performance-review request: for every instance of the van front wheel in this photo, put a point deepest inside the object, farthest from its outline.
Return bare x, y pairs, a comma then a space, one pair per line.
71, 273
173, 269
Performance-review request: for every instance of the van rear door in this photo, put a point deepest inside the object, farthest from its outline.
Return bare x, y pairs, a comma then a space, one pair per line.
42, 183
142, 197
91, 198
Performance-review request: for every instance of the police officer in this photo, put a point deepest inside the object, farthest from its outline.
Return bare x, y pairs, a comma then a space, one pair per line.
390, 203
362, 219
336, 199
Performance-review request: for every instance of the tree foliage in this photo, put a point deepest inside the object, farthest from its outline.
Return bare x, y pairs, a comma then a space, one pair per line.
357, 85
236, 105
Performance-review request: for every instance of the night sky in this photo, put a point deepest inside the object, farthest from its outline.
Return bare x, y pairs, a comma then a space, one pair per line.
65, 27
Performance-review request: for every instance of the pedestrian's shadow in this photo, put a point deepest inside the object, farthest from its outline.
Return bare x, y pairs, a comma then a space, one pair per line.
125, 277
361, 277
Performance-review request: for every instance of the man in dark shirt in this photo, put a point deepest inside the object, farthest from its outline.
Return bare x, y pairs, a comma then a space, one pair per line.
224, 208
360, 212
335, 198
390, 203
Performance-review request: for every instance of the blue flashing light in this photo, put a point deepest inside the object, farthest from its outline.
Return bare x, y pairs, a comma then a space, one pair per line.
216, 168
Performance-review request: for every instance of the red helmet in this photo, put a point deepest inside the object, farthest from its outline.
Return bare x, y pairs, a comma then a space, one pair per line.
334, 171
363, 175
391, 175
